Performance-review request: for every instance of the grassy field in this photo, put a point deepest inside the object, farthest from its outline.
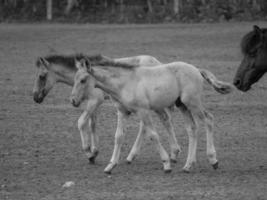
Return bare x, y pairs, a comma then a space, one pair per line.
40, 146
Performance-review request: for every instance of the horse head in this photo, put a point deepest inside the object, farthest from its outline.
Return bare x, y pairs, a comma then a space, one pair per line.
82, 82
44, 81
254, 63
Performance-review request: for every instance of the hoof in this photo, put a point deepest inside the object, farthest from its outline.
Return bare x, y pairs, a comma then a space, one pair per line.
130, 159
215, 165
92, 160
88, 149
93, 157
186, 171
107, 172
173, 160
95, 152
109, 168
167, 171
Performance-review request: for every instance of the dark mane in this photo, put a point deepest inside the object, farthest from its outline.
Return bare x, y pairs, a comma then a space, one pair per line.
251, 40
64, 60
103, 61
69, 60
111, 63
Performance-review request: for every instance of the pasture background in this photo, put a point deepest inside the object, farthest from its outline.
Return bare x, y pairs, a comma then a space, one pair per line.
40, 146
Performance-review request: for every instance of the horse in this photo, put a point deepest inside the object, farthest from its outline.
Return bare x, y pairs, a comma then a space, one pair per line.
144, 89
254, 63
61, 68
91, 95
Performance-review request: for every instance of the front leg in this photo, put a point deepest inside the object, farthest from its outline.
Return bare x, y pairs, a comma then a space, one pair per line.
153, 136
83, 128
88, 117
119, 139
137, 144
94, 138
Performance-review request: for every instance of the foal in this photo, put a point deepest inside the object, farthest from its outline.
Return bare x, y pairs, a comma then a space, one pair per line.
61, 68
144, 89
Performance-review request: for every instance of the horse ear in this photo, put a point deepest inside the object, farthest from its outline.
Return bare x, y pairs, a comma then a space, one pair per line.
42, 62
257, 29
88, 66
78, 64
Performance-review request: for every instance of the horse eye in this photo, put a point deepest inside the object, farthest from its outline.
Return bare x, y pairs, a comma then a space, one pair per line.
42, 77
83, 81
252, 54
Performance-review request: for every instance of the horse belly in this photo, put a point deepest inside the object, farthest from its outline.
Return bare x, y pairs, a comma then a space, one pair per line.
162, 93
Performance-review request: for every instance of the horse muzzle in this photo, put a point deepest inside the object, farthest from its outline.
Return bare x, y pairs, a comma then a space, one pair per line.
241, 86
74, 102
38, 98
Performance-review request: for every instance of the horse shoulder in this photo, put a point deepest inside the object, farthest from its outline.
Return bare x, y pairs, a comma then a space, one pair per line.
98, 94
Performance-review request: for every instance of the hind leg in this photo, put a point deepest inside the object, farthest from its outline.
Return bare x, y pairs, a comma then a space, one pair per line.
207, 119
165, 118
191, 127
211, 152
198, 112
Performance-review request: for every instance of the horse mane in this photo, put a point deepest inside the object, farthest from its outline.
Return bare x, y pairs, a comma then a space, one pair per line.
102, 61
111, 63
250, 40
68, 61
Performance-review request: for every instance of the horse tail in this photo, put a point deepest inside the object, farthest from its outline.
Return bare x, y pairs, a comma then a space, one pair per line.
220, 86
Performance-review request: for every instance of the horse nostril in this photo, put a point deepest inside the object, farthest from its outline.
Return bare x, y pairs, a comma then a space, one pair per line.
72, 101
36, 98
237, 82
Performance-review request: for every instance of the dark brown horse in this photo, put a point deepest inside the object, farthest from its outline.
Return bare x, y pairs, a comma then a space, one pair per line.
254, 63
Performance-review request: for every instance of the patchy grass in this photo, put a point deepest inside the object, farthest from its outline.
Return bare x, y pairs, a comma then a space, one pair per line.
40, 145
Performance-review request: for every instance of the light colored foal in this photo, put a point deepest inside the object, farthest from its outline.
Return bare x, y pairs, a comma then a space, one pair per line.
145, 89
88, 91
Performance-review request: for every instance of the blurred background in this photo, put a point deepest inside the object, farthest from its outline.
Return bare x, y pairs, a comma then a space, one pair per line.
132, 11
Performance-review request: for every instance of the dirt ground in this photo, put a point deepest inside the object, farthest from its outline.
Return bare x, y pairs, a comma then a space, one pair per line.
40, 146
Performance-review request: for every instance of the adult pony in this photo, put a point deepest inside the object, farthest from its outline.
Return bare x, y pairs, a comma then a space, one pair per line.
254, 63
59, 68
143, 89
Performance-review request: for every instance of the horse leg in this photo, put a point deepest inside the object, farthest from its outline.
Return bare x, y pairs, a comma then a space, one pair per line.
88, 115
83, 127
207, 118
119, 139
137, 144
165, 118
199, 112
153, 135
94, 138
191, 127
211, 152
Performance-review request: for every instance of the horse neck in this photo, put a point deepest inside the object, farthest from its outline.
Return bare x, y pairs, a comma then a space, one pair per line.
110, 80
63, 74
139, 60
